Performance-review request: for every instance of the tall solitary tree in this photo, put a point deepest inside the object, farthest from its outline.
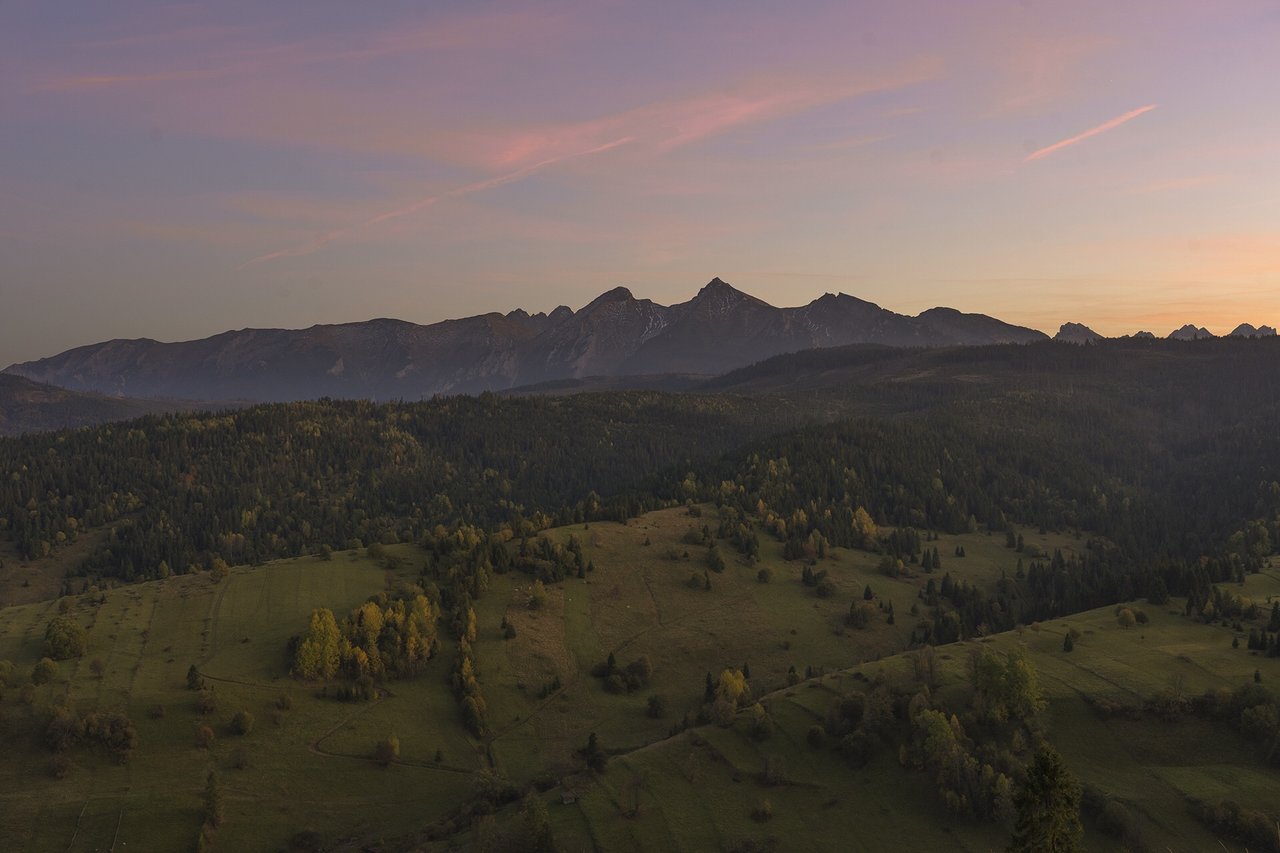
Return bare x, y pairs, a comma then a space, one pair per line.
212, 801
1048, 808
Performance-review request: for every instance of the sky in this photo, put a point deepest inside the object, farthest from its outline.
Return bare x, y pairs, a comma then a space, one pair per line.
176, 170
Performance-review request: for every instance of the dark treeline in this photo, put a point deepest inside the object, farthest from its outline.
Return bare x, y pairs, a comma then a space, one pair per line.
179, 491
1172, 508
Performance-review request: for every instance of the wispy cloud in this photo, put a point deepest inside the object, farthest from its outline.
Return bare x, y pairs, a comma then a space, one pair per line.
478, 186
653, 130
1111, 124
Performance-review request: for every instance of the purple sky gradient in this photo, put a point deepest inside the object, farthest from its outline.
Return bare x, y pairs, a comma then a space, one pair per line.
175, 170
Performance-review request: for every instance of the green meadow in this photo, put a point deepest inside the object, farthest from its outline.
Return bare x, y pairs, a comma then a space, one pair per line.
304, 768
306, 765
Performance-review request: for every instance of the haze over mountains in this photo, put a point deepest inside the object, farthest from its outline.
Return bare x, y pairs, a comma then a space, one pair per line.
27, 406
616, 334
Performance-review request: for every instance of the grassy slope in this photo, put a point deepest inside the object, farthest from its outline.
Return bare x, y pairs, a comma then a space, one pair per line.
696, 791
147, 635
638, 602
691, 792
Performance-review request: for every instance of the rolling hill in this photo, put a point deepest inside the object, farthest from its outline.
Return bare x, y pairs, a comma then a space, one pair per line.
28, 406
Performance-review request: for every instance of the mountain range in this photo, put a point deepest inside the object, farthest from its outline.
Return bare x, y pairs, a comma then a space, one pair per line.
1076, 333
616, 334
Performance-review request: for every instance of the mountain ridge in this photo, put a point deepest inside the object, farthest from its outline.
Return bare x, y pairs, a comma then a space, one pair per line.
720, 328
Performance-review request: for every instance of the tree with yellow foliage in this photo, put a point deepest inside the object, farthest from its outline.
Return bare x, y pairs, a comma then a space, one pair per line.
319, 654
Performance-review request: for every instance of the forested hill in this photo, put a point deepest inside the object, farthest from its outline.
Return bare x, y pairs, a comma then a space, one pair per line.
1222, 375
178, 491
1168, 456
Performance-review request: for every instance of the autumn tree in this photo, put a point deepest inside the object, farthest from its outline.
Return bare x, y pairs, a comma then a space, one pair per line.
1007, 686
864, 528
320, 651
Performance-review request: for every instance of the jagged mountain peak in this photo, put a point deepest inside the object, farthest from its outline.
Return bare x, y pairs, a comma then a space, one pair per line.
617, 294
1190, 333
827, 300
1247, 330
1076, 333
720, 293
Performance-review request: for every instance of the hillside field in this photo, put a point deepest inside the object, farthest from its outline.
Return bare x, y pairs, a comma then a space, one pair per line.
697, 790
309, 767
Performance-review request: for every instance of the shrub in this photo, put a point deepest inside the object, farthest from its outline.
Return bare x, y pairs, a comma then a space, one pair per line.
44, 671
204, 737
242, 723
65, 638
762, 811
206, 701
656, 707
387, 750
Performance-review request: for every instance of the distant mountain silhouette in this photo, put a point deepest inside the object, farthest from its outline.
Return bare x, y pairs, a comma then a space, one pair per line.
615, 335
1246, 330
1076, 333
1191, 333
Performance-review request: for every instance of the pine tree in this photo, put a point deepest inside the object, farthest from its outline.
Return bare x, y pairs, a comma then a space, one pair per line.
1067, 643
1048, 808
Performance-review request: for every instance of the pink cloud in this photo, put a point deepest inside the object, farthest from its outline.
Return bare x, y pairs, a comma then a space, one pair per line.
656, 128
478, 186
666, 125
1110, 124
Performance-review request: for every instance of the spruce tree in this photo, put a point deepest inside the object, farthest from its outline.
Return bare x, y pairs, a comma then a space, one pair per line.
1048, 808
